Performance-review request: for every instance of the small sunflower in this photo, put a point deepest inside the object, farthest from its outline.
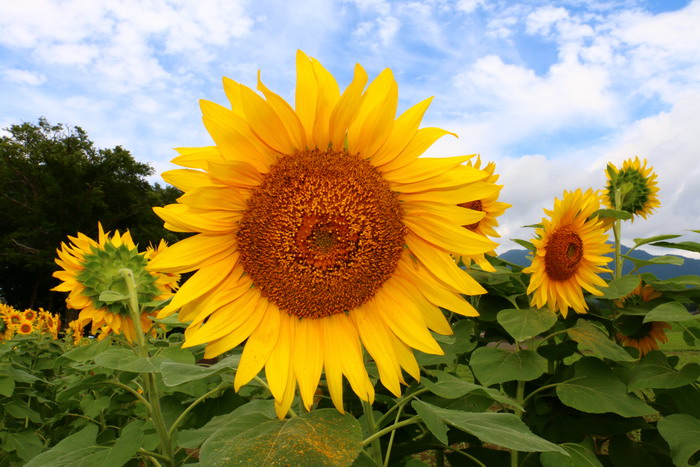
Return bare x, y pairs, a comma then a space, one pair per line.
492, 208
48, 322
642, 198
320, 232
25, 328
29, 314
91, 268
647, 337
570, 248
77, 329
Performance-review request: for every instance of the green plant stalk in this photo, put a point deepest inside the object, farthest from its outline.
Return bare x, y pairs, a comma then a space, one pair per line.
189, 408
152, 393
616, 232
375, 447
519, 398
375, 437
391, 438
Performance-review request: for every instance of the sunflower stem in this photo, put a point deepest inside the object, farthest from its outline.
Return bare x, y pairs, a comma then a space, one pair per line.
152, 393
617, 224
375, 447
519, 398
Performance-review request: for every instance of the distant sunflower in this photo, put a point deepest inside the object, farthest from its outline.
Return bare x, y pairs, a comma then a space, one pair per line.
642, 199
91, 268
12, 317
647, 337
77, 330
25, 328
48, 322
320, 231
570, 248
491, 207
29, 314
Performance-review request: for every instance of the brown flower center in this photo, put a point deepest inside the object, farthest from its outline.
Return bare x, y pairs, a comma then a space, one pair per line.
563, 254
321, 233
475, 206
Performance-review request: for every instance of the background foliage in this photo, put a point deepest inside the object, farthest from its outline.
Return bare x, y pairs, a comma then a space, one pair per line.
55, 183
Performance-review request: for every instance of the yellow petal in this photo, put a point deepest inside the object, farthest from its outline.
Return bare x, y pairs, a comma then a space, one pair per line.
375, 120
278, 367
237, 335
193, 253
186, 179
327, 97
307, 357
287, 114
404, 129
452, 238
259, 347
265, 122
345, 111
306, 94
234, 173
197, 158
421, 141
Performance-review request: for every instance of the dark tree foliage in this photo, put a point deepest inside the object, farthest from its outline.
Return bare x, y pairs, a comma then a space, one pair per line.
55, 183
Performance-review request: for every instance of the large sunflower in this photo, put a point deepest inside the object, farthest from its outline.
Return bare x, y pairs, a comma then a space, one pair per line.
93, 267
320, 231
570, 248
642, 198
492, 208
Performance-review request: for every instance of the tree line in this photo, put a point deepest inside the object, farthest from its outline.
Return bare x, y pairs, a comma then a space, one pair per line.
56, 183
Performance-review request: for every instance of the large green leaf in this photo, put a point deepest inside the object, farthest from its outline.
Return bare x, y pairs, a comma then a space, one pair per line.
81, 449
621, 287
491, 365
251, 414
524, 324
7, 386
578, 456
25, 443
682, 433
670, 312
89, 351
688, 246
593, 339
175, 373
125, 360
653, 371
596, 389
658, 238
321, 437
452, 387
501, 429
672, 260
432, 420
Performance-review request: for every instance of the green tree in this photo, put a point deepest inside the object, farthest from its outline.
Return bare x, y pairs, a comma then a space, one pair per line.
55, 183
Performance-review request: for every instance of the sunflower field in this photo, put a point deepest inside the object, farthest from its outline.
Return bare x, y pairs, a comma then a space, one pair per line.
336, 300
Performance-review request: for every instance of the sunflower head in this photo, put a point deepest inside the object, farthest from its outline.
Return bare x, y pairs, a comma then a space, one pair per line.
636, 185
92, 275
644, 337
485, 201
321, 234
25, 328
76, 328
570, 249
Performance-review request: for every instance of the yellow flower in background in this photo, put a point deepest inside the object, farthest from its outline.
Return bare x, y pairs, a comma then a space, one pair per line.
569, 256
93, 267
29, 314
11, 316
77, 330
647, 337
48, 322
25, 328
642, 198
320, 231
168, 282
492, 208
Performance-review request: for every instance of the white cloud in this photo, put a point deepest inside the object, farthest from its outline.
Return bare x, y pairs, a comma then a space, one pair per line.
542, 19
469, 6
24, 77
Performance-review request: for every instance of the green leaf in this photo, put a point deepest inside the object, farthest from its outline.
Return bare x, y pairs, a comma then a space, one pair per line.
501, 429
175, 374
657, 238
590, 337
527, 245
688, 246
321, 437
451, 387
19, 409
596, 389
25, 443
256, 411
578, 456
682, 433
612, 214
680, 280
524, 324
7, 386
89, 351
110, 296
620, 287
491, 365
126, 360
432, 421
670, 312
640, 263
653, 371
127, 445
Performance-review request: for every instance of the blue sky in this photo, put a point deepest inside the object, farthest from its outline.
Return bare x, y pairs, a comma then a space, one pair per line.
550, 91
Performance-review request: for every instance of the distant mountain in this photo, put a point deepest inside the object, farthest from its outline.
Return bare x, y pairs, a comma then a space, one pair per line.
661, 271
